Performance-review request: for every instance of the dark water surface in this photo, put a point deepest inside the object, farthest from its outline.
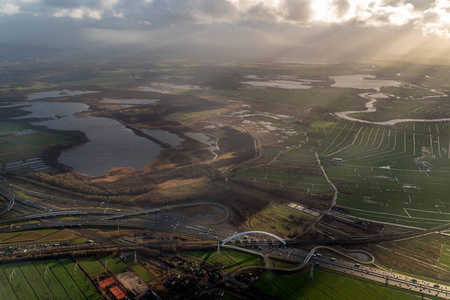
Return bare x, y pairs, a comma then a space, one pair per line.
110, 143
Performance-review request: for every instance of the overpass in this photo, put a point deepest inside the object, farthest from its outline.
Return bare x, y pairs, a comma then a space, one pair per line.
55, 214
237, 235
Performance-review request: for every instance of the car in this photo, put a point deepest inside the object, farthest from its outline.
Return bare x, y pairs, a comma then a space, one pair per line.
332, 259
436, 285
357, 265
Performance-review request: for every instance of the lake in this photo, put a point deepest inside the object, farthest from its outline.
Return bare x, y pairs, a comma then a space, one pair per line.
361, 82
130, 101
57, 94
110, 143
281, 84
164, 136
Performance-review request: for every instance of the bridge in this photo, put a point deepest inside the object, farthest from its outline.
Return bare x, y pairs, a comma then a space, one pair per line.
55, 214
237, 235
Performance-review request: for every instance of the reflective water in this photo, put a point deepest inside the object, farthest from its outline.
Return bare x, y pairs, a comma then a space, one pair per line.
164, 136
110, 143
130, 101
281, 84
361, 82
57, 94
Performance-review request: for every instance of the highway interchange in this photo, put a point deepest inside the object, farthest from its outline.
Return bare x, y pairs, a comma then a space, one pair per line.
47, 210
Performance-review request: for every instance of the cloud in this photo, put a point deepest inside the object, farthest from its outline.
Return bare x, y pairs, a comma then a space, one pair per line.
9, 9
258, 28
297, 10
436, 19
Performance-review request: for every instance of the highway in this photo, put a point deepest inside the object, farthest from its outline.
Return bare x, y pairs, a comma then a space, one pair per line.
101, 215
352, 267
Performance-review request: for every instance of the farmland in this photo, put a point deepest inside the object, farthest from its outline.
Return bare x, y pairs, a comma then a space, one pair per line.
46, 279
280, 220
39, 236
287, 161
391, 174
230, 259
18, 141
323, 285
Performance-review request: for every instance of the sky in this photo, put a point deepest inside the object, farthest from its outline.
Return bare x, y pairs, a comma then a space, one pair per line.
270, 30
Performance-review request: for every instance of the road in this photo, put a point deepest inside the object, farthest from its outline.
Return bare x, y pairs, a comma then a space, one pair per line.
353, 267
101, 215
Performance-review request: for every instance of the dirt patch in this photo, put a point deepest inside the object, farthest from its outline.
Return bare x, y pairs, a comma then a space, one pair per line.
178, 182
132, 283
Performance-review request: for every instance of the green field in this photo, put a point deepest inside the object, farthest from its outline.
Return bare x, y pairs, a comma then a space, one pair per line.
18, 142
11, 127
383, 174
107, 79
115, 265
141, 271
390, 174
30, 280
92, 266
41, 236
323, 286
278, 219
330, 99
444, 259
229, 258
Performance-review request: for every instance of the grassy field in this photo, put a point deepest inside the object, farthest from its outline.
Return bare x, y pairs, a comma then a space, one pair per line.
444, 259
17, 144
231, 259
30, 280
6, 127
385, 173
323, 286
115, 265
295, 170
92, 266
390, 174
141, 271
107, 79
41, 236
34, 85
278, 219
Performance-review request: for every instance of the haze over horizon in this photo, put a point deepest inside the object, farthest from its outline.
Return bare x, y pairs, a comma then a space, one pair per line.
270, 30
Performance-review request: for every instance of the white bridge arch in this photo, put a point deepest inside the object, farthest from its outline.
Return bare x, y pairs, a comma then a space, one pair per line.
251, 232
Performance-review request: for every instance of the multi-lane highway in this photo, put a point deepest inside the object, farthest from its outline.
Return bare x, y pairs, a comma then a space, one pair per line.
356, 268
156, 220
